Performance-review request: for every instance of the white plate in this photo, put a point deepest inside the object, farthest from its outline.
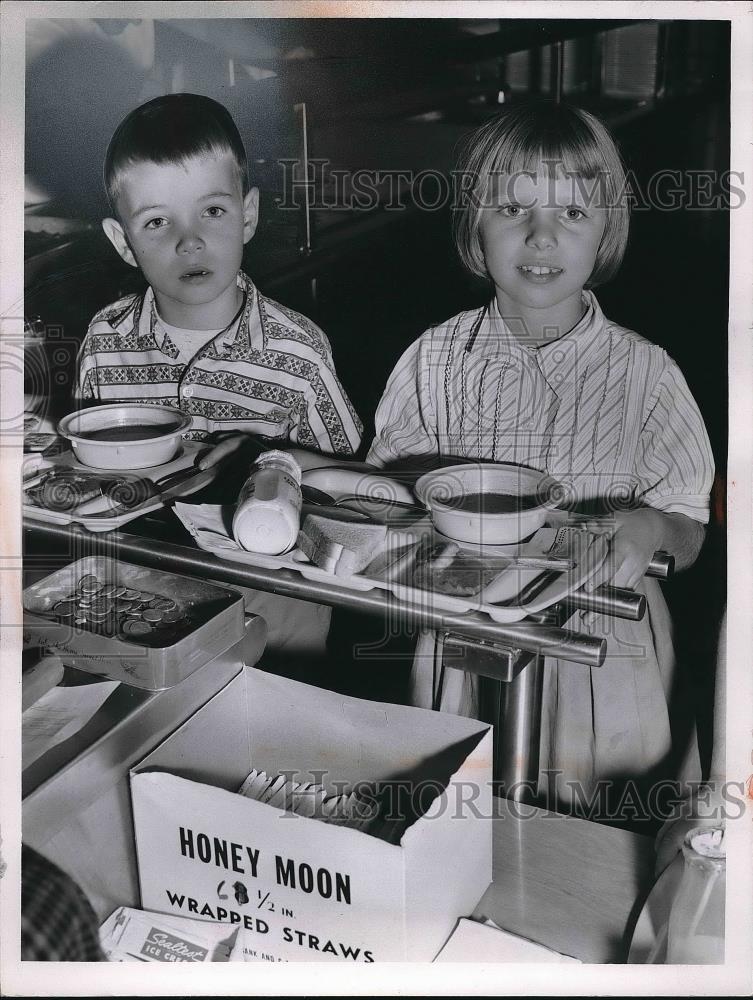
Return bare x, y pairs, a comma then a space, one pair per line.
340, 482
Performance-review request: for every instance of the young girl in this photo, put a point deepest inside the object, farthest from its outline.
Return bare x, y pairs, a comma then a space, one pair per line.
540, 377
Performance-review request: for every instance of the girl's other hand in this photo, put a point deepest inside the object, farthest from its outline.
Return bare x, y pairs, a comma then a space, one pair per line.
637, 534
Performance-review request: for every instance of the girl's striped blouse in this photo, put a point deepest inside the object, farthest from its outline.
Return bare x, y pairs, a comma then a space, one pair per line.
604, 411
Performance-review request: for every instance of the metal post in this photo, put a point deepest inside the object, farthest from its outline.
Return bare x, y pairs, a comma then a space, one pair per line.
510, 683
517, 732
558, 69
306, 243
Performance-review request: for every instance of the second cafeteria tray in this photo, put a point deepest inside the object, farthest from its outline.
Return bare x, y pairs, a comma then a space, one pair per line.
403, 548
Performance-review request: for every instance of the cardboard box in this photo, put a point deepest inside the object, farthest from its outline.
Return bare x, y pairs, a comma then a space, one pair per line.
301, 889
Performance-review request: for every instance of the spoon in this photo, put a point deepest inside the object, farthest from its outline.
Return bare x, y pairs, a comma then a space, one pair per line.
313, 495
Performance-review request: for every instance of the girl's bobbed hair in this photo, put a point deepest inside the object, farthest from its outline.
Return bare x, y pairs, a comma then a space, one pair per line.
523, 136
172, 129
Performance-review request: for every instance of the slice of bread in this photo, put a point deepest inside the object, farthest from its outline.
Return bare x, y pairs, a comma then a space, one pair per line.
342, 548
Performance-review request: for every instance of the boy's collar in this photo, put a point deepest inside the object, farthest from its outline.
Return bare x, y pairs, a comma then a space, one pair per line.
235, 330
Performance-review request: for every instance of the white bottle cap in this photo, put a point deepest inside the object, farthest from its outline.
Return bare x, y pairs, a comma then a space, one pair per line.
261, 528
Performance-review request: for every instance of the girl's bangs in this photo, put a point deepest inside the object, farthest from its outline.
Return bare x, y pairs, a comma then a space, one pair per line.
573, 154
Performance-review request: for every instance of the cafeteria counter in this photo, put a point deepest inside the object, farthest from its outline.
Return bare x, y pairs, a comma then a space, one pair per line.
574, 886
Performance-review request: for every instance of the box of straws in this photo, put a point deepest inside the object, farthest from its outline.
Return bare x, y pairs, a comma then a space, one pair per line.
323, 827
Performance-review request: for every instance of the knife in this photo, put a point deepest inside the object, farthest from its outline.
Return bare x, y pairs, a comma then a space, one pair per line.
144, 491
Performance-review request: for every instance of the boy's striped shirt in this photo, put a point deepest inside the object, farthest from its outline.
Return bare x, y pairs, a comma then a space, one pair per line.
270, 373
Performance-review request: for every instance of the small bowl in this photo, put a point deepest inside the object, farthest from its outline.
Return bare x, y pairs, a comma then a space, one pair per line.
107, 437
476, 503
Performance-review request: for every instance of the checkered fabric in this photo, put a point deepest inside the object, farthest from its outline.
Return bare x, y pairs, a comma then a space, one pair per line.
57, 921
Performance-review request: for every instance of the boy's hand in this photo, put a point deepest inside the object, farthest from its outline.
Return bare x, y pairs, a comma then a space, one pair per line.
223, 450
637, 534
232, 443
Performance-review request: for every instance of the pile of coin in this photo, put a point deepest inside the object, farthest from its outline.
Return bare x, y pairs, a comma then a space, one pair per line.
112, 609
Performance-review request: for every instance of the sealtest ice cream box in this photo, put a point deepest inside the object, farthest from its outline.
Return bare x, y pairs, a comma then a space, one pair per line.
305, 887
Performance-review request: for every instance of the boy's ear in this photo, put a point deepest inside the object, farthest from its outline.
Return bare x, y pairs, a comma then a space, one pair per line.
250, 214
115, 234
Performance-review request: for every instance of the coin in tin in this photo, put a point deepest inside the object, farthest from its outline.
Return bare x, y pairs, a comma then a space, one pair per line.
134, 627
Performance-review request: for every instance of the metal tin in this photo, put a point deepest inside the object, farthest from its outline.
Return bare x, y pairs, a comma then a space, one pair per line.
210, 621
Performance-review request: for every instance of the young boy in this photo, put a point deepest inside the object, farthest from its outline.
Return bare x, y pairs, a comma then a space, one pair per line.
202, 338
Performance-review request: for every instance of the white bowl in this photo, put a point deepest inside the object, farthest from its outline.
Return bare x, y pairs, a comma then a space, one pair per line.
446, 491
107, 437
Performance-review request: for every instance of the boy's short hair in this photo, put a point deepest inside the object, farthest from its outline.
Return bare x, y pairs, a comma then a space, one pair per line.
519, 139
172, 129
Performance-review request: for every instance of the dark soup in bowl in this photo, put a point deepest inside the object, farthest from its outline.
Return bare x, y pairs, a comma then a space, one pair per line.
127, 432
493, 503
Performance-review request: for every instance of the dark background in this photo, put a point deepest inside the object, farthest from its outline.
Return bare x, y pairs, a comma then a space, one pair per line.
395, 95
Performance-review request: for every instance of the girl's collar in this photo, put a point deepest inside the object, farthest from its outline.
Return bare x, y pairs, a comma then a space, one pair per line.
591, 320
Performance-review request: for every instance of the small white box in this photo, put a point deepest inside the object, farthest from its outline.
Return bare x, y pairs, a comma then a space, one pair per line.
301, 889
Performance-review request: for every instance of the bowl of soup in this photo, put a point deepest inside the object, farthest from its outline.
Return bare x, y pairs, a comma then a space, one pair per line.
494, 504
125, 435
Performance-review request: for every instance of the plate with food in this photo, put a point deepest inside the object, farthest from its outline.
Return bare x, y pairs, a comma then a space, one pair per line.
506, 582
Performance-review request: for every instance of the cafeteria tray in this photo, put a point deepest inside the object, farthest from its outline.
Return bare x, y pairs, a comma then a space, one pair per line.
211, 619
392, 569
187, 456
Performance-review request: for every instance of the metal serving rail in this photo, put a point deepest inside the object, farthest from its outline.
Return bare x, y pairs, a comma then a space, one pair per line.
509, 658
537, 635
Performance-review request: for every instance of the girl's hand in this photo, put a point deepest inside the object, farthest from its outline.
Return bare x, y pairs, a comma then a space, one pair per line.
637, 535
